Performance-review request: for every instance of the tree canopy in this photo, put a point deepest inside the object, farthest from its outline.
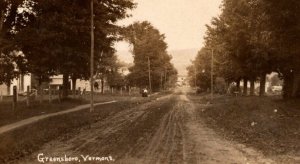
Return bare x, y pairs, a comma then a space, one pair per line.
148, 43
251, 38
56, 36
11, 21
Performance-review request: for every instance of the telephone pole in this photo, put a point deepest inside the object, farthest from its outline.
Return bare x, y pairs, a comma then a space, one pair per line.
165, 79
211, 76
161, 81
149, 73
195, 76
92, 56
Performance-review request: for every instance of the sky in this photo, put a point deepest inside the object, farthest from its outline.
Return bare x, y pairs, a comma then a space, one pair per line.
182, 21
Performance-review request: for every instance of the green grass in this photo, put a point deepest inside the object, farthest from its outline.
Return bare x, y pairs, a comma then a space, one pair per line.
272, 132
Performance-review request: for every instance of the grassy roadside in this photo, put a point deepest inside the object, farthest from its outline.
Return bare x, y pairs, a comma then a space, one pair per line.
267, 124
24, 141
7, 115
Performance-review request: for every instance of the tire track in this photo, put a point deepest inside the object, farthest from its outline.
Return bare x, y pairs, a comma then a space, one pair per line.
103, 137
166, 145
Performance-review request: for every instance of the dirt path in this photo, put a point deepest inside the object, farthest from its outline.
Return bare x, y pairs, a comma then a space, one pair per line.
34, 119
163, 131
205, 146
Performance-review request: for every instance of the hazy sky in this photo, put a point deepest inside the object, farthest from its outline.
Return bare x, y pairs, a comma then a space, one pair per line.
182, 21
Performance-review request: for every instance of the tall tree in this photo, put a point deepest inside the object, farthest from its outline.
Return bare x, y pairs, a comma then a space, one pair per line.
11, 20
238, 39
150, 54
61, 31
107, 69
283, 28
200, 70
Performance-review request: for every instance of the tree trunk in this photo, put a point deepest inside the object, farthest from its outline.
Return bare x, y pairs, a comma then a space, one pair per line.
287, 85
252, 87
65, 85
2, 20
40, 90
238, 85
74, 86
8, 89
295, 85
262, 85
50, 93
102, 85
245, 87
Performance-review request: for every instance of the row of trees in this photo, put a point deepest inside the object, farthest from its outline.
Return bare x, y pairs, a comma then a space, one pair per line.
250, 39
54, 38
150, 55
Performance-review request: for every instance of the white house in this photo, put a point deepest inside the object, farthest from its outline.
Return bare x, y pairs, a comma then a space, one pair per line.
56, 81
21, 83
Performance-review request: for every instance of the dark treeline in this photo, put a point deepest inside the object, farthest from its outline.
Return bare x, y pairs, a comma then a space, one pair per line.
250, 39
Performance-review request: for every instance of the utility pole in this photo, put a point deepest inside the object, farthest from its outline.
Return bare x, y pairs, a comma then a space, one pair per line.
92, 56
149, 73
165, 78
211, 76
195, 76
161, 81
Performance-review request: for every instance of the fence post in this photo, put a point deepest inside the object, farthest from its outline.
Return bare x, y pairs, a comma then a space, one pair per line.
84, 93
59, 94
129, 90
40, 94
27, 96
14, 102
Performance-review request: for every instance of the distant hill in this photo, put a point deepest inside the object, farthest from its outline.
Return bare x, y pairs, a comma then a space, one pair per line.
181, 58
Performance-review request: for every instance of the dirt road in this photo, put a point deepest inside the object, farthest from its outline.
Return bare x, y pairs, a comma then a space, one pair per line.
163, 131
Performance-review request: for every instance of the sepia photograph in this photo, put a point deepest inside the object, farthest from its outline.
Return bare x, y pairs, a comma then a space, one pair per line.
149, 81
